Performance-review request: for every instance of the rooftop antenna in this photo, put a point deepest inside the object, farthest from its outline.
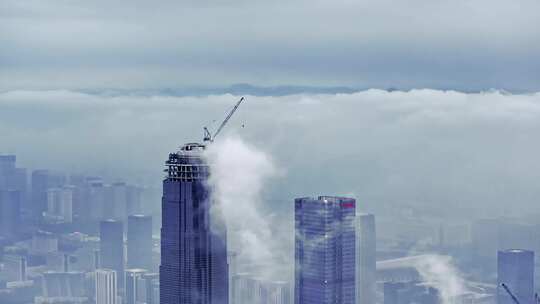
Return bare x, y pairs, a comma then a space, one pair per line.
208, 137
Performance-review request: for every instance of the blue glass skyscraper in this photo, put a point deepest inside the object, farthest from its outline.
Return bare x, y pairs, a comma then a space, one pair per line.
325, 250
194, 266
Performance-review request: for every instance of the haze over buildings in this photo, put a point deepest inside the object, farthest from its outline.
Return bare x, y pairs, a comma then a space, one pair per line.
416, 212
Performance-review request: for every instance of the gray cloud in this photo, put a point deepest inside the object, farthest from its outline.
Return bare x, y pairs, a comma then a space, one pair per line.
466, 45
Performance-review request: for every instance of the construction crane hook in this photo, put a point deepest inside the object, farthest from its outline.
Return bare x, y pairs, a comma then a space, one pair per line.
208, 137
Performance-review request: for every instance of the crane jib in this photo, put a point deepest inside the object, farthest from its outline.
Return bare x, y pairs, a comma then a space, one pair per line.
208, 136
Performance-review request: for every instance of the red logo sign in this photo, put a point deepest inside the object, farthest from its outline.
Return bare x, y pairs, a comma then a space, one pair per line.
347, 205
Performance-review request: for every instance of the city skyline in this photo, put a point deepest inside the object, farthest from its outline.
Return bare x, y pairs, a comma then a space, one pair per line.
512, 235
169, 152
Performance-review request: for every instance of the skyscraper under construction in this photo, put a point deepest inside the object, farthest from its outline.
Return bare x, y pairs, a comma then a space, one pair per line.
194, 266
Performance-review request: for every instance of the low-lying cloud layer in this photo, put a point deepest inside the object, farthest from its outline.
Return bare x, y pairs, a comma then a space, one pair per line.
438, 148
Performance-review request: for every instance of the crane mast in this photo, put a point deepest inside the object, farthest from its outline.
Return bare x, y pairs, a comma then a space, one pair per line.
208, 137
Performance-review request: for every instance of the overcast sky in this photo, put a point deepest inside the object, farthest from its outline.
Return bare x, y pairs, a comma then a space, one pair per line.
460, 44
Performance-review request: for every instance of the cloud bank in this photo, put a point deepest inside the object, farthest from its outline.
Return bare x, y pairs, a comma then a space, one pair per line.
426, 147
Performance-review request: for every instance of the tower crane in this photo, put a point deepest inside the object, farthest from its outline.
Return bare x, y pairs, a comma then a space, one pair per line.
510, 293
208, 137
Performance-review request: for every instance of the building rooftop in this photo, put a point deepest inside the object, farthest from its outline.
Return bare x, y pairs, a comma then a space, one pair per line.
187, 164
135, 270
516, 250
192, 148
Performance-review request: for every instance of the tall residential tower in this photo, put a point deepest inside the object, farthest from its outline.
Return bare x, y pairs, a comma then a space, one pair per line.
194, 267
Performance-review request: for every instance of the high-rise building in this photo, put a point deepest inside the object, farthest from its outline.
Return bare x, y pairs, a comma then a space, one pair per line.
391, 292
116, 195
111, 235
249, 289
139, 242
244, 289
22, 269
151, 280
133, 197
106, 287
14, 268
42, 180
60, 204
79, 203
366, 253
40, 185
10, 212
87, 201
325, 250
515, 268
133, 284
11, 177
96, 200
7, 172
96, 259
63, 285
44, 242
276, 292
233, 270
194, 266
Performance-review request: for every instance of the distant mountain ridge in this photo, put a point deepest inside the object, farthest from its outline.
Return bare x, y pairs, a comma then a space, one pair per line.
253, 90
236, 89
